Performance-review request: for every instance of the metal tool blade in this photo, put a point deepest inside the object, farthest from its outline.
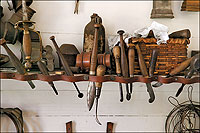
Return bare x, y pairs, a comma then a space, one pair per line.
91, 93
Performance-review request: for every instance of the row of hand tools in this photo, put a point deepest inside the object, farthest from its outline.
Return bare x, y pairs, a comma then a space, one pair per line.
125, 62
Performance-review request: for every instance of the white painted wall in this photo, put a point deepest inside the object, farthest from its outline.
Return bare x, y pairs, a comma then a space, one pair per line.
43, 111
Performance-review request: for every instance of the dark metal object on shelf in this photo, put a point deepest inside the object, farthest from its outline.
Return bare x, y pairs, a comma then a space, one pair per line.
44, 71
4, 59
194, 66
162, 9
15, 114
17, 4
69, 52
8, 32
124, 62
117, 55
181, 34
91, 90
15, 61
194, 52
89, 32
65, 65
48, 57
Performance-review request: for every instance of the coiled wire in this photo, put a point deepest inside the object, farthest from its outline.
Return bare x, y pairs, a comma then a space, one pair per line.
184, 117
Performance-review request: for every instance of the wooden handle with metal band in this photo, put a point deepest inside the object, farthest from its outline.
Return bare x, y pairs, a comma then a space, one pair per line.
143, 67
153, 62
63, 61
124, 62
131, 59
181, 67
116, 53
15, 61
94, 51
144, 72
100, 72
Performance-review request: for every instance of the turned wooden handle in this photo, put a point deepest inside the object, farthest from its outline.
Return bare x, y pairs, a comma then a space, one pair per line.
62, 58
131, 59
100, 72
143, 67
27, 45
94, 50
124, 62
181, 67
116, 53
153, 62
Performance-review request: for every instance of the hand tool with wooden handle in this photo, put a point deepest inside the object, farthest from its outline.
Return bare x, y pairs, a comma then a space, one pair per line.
116, 53
15, 61
144, 72
153, 62
100, 72
131, 63
176, 70
65, 64
91, 90
124, 62
44, 71
69, 127
194, 66
27, 48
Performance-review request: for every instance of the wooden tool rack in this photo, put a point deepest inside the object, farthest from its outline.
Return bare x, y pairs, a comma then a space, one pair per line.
106, 78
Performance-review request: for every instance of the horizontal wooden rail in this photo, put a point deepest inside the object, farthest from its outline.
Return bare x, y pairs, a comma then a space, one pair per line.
106, 78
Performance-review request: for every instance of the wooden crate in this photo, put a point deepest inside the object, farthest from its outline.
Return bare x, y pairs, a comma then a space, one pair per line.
170, 54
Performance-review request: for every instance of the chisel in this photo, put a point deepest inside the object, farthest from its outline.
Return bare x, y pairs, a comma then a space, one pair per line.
131, 63
116, 53
100, 72
16, 62
65, 64
124, 62
91, 90
176, 70
144, 72
194, 66
152, 62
